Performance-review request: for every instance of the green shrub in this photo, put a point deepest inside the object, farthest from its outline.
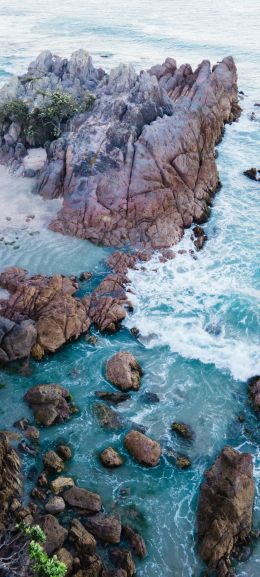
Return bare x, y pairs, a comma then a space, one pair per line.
42, 565
14, 111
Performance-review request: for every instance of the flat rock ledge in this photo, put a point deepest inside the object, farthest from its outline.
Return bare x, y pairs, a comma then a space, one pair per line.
224, 518
138, 166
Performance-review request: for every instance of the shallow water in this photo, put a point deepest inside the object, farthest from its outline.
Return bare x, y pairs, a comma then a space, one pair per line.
199, 319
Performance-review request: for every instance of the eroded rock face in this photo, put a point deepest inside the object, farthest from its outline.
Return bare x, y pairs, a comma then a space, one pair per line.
124, 371
141, 167
82, 540
16, 339
49, 301
10, 476
50, 404
105, 306
142, 448
225, 508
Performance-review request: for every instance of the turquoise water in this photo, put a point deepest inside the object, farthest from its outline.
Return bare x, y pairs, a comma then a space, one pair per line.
199, 320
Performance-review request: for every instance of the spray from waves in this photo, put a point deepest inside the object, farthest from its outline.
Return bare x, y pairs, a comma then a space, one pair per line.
197, 310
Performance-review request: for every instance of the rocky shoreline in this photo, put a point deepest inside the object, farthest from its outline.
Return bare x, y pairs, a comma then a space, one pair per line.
135, 167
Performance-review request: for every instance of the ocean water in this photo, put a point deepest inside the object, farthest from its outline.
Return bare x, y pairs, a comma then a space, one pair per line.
198, 319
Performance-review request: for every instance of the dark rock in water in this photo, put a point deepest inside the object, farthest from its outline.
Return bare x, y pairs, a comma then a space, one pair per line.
199, 237
64, 452
150, 398
82, 499
151, 171
25, 448
135, 332
254, 391
10, 476
107, 528
55, 534
183, 430
32, 473
110, 458
142, 448
50, 403
253, 174
124, 371
225, 508
213, 329
181, 461
115, 398
138, 427
85, 276
135, 540
107, 417
49, 301
123, 559
52, 462
16, 338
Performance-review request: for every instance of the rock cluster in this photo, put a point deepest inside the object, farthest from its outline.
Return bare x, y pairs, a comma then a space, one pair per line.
225, 508
50, 404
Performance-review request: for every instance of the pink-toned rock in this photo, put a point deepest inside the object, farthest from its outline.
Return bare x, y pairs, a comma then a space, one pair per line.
49, 301
142, 448
141, 167
254, 391
105, 306
50, 403
225, 508
124, 371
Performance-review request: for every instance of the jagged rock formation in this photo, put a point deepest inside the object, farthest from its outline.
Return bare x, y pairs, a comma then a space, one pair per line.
141, 167
10, 477
225, 508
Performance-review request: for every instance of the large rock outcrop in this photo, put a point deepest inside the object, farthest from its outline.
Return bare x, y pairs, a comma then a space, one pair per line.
141, 167
225, 508
50, 302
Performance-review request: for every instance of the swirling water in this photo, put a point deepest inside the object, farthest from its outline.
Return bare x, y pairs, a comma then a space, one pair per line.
199, 319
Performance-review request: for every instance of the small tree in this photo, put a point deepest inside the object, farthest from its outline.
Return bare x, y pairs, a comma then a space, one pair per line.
20, 548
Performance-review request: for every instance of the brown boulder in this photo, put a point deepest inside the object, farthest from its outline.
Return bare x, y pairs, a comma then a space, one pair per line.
65, 557
64, 452
55, 534
107, 528
142, 448
105, 306
124, 371
50, 403
55, 505
49, 301
60, 484
123, 559
53, 462
82, 540
253, 174
135, 540
225, 508
93, 567
110, 458
82, 499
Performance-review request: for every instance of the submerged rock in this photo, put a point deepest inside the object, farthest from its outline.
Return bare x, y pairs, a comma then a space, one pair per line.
111, 458
115, 398
142, 448
135, 540
50, 403
124, 371
225, 508
107, 417
253, 174
183, 430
